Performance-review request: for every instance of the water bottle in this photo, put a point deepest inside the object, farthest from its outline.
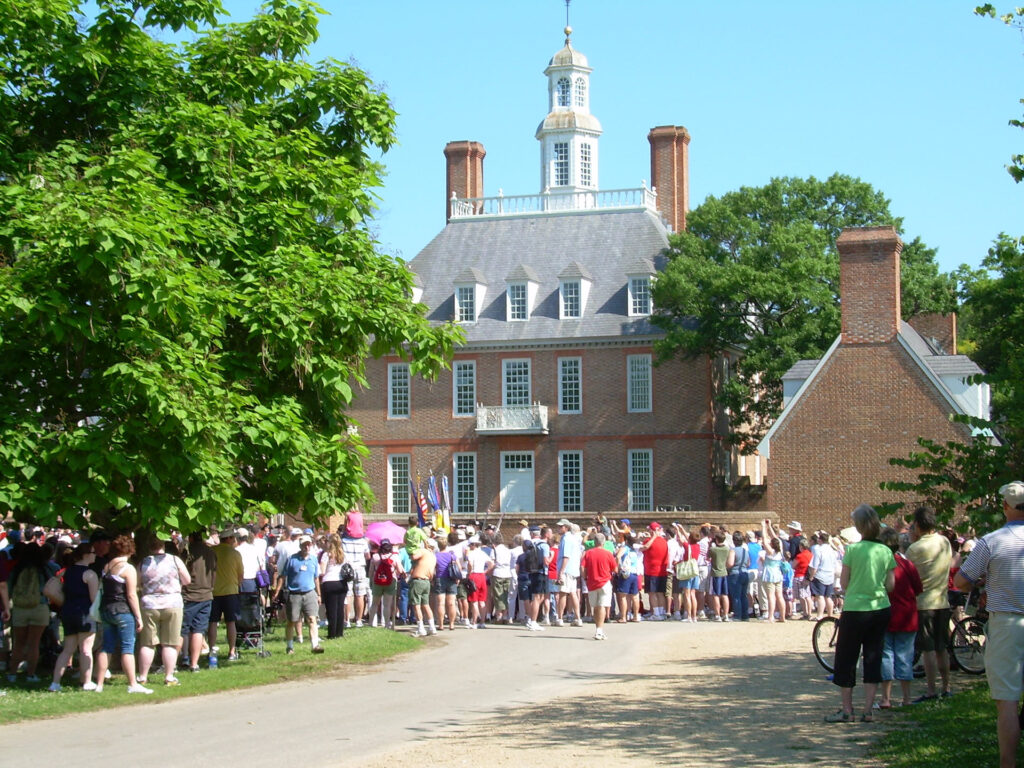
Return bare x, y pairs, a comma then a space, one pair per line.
213, 657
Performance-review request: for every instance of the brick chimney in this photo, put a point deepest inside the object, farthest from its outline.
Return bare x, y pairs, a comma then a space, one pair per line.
869, 284
937, 329
464, 172
670, 172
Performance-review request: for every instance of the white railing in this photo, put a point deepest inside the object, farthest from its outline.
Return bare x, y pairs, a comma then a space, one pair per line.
505, 419
640, 198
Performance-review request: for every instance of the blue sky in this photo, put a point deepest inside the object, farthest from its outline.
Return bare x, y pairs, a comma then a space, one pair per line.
913, 97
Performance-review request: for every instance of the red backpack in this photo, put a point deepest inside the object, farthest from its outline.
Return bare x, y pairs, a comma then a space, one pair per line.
384, 576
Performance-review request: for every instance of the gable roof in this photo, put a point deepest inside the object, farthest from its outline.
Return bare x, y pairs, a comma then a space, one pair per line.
605, 244
932, 365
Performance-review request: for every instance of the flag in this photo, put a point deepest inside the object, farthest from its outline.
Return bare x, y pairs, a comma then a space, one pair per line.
435, 503
412, 490
446, 517
421, 510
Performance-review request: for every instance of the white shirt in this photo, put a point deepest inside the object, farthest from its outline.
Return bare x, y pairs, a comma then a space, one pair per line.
502, 562
478, 560
250, 559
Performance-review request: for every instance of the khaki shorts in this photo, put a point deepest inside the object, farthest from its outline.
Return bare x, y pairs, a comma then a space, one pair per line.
568, 585
419, 592
30, 617
160, 626
1004, 655
499, 592
601, 597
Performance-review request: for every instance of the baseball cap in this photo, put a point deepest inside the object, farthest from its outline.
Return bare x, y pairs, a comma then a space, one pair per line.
304, 539
655, 526
565, 522
1013, 493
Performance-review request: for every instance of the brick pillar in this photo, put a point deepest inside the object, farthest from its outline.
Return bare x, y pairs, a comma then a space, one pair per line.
670, 172
936, 328
464, 172
869, 284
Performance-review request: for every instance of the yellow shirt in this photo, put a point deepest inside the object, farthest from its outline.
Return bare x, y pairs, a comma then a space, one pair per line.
932, 555
229, 570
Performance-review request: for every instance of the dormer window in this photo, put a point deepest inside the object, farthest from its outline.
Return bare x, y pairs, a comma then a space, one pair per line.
470, 287
640, 296
517, 307
563, 91
521, 293
574, 286
580, 92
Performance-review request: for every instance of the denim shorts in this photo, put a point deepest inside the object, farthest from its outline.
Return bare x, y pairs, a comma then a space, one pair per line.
118, 633
446, 586
628, 585
196, 618
898, 656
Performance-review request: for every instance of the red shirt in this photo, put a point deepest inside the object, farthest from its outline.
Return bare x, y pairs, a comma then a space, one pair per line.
553, 567
800, 563
598, 565
903, 597
656, 557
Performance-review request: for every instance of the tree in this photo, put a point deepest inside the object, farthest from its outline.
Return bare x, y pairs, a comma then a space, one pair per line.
757, 273
188, 287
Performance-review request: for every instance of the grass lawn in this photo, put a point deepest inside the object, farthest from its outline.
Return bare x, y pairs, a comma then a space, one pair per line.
21, 701
949, 733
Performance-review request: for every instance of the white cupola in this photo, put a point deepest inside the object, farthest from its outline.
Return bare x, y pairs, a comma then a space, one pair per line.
568, 136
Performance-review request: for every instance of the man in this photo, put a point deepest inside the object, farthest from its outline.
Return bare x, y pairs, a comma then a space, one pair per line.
197, 595
997, 558
570, 551
931, 554
821, 574
656, 571
792, 544
226, 586
301, 576
424, 566
598, 565
357, 553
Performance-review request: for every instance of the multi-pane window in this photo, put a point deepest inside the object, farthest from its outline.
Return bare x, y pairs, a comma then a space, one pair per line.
585, 165
561, 164
517, 308
516, 384
570, 390
640, 296
398, 391
520, 460
638, 385
581, 92
464, 388
570, 481
563, 87
398, 484
641, 481
572, 302
465, 484
465, 304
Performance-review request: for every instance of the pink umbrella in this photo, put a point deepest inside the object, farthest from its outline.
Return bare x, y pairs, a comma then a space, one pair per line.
377, 532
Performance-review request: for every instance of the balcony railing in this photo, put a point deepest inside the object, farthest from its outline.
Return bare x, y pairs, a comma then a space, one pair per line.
512, 419
552, 201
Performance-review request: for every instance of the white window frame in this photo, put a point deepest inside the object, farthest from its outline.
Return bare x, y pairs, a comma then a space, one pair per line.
465, 499
632, 470
508, 363
462, 302
566, 381
465, 365
586, 165
579, 92
563, 92
396, 400
574, 460
640, 295
639, 378
560, 161
399, 495
517, 302
568, 302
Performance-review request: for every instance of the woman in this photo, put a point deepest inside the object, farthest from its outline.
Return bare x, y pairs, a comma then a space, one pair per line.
627, 589
30, 611
867, 578
162, 576
120, 613
738, 577
898, 646
333, 588
80, 587
385, 568
771, 577
501, 579
446, 586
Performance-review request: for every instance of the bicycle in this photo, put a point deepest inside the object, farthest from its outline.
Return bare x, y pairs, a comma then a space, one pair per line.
967, 640
823, 640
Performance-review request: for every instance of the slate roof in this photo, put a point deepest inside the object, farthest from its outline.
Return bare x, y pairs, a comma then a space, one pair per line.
604, 244
800, 370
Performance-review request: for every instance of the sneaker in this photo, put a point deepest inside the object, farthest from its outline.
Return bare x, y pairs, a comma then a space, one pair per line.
359, 623
289, 651
481, 625
233, 656
32, 679
90, 686
677, 616
348, 625
373, 622
12, 678
717, 618
547, 621
578, 623
839, 717
171, 682
431, 630
106, 675
54, 688
599, 635
727, 618
421, 631
558, 623
139, 689
317, 649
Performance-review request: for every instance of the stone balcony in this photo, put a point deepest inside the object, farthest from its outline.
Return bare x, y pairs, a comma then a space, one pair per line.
512, 419
554, 201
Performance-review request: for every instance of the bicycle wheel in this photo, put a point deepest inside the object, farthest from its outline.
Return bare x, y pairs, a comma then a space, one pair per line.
823, 638
967, 645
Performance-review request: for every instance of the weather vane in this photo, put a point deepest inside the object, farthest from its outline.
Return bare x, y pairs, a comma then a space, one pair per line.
568, 29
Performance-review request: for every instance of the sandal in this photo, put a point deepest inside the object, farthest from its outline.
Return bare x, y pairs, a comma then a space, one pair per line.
839, 717
866, 718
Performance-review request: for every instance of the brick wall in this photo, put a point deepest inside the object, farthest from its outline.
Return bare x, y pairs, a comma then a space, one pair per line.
868, 404
678, 429
464, 171
670, 172
938, 328
869, 282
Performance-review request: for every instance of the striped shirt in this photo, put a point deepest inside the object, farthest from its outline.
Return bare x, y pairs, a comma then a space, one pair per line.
999, 557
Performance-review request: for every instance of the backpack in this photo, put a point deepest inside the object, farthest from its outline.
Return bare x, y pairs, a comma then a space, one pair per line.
534, 560
628, 564
384, 576
28, 588
348, 573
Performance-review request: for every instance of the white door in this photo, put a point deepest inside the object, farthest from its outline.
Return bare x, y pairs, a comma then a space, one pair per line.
517, 482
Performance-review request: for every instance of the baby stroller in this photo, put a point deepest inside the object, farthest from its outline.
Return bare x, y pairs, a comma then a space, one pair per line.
250, 625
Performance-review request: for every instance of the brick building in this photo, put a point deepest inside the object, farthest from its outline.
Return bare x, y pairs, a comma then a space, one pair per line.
883, 383
553, 403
